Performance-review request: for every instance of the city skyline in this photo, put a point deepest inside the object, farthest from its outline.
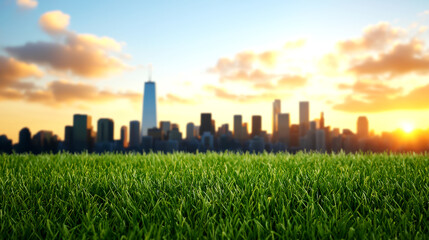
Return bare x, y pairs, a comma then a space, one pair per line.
374, 67
307, 135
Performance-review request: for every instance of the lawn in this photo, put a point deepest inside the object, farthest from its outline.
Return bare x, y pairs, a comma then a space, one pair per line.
214, 195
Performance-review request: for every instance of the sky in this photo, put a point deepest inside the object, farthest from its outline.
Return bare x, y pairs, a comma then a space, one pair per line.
347, 58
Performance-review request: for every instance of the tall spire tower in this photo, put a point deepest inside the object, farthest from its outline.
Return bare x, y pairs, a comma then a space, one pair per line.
149, 105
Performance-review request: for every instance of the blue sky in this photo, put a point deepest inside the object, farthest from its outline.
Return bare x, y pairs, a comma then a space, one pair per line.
182, 39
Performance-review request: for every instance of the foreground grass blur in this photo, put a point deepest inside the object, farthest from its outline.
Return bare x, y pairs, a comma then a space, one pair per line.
226, 195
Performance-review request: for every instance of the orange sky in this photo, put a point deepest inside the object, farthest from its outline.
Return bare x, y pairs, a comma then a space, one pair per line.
377, 69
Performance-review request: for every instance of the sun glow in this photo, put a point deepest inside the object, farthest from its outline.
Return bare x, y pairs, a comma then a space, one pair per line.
407, 127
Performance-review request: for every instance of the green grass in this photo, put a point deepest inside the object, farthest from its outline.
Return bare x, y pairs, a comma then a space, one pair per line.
231, 196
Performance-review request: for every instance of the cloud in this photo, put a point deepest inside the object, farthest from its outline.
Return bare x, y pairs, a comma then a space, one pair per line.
174, 99
253, 76
54, 22
402, 59
61, 92
268, 58
285, 82
243, 98
92, 41
13, 71
84, 55
375, 37
84, 61
370, 89
10, 94
414, 100
27, 3
295, 44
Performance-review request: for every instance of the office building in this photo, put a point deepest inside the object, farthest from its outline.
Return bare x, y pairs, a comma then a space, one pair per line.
322, 120
190, 130
197, 131
276, 112
156, 134
175, 134
24, 144
68, 138
304, 118
165, 127
362, 127
320, 140
256, 125
238, 128
283, 121
206, 124
124, 136
207, 140
82, 132
135, 134
105, 130
149, 107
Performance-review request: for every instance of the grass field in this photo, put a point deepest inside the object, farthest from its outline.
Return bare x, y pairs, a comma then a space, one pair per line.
211, 195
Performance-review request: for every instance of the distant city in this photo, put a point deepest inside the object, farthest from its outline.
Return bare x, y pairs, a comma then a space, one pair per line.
307, 135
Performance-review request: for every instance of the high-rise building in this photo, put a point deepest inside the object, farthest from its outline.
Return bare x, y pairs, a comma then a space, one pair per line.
43, 141
207, 140
304, 118
24, 140
174, 126
105, 130
223, 130
213, 126
82, 132
294, 135
320, 140
322, 121
283, 120
175, 134
190, 130
276, 112
135, 134
149, 107
245, 131
68, 138
256, 125
197, 131
238, 128
156, 134
362, 127
165, 127
206, 124
124, 136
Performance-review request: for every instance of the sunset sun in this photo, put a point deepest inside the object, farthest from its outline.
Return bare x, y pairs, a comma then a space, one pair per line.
407, 127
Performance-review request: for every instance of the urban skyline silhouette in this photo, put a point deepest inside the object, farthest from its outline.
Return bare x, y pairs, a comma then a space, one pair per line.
307, 135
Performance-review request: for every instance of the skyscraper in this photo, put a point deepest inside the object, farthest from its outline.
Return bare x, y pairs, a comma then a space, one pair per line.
82, 130
256, 125
68, 138
322, 120
135, 137
24, 140
149, 107
190, 130
105, 130
165, 128
124, 136
238, 128
304, 118
362, 127
276, 112
206, 123
320, 140
283, 120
